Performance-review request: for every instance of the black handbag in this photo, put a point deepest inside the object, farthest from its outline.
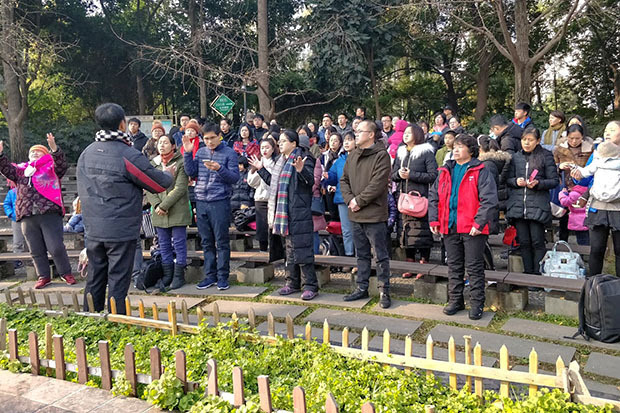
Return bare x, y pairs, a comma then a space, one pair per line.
276, 248
318, 206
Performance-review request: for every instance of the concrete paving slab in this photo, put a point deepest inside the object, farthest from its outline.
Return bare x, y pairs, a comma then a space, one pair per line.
433, 312
123, 404
335, 336
162, 301
603, 365
18, 384
14, 404
56, 285
359, 321
553, 332
7, 284
236, 291
84, 400
397, 346
260, 309
51, 392
517, 347
322, 299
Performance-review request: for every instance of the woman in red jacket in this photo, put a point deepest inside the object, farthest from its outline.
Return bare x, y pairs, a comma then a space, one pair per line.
462, 203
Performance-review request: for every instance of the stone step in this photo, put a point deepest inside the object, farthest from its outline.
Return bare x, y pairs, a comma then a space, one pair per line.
260, 309
358, 321
603, 365
433, 312
162, 301
7, 284
56, 285
397, 346
335, 336
517, 347
553, 332
323, 299
236, 291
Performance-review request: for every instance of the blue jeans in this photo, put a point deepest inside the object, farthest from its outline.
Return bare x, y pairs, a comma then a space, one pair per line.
317, 243
173, 241
213, 221
347, 230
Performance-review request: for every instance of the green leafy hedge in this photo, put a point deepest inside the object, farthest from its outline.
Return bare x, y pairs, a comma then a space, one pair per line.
288, 363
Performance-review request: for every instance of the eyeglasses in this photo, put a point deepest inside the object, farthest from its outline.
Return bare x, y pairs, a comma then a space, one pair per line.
359, 132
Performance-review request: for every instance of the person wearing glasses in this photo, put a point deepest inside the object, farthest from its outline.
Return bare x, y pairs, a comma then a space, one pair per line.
216, 169
364, 189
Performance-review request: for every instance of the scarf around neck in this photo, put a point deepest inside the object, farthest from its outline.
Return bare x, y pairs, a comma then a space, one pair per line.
548, 138
43, 178
280, 223
166, 158
108, 135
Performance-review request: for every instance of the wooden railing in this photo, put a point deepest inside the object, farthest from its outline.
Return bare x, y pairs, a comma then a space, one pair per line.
567, 379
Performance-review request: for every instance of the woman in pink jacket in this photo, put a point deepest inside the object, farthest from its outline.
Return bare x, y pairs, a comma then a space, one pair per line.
576, 214
397, 137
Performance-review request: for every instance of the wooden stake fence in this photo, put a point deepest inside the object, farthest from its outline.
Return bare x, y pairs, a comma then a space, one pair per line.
476, 372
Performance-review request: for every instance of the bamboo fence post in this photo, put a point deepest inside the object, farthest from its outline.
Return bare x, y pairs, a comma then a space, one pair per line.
155, 311
290, 328
33, 345
331, 406
468, 360
238, 399
533, 389
130, 368
128, 306
49, 349
326, 337
76, 302
13, 345
20, 296
252, 317
8, 298
180, 365
271, 326
82, 360
59, 357
503, 365
478, 362
430, 350
408, 349
345, 337
65, 312
235, 321
560, 368
33, 297
46, 300
365, 339
368, 407
299, 400
308, 332
200, 314
264, 394
452, 359
60, 302
386, 342
106, 368
172, 317
184, 312
91, 303
212, 386
2, 333
429, 408
113, 305
141, 311
155, 357
216, 314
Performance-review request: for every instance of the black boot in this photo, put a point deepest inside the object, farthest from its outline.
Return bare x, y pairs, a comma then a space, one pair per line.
358, 294
167, 278
179, 277
454, 307
475, 312
384, 298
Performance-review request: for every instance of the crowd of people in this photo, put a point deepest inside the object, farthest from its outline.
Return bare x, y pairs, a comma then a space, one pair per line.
365, 181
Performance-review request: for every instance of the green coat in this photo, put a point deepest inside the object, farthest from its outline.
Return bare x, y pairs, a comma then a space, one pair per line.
175, 199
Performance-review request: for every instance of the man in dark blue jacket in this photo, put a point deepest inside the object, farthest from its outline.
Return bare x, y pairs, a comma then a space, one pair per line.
216, 169
111, 175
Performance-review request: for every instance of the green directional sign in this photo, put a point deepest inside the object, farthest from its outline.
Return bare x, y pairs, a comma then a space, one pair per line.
222, 104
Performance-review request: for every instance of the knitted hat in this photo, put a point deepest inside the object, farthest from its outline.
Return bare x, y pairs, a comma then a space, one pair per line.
304, 141
158, 125
194, 126
608, 149
39, 148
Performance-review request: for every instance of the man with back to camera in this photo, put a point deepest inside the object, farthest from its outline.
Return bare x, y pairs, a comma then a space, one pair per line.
111, 175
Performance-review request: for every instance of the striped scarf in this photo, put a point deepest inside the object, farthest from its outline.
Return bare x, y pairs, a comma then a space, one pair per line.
280, 224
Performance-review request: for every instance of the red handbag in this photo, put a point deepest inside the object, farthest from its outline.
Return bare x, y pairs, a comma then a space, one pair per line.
412, 204
510, 236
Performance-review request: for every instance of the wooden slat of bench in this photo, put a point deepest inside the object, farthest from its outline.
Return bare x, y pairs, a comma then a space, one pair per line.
529, 280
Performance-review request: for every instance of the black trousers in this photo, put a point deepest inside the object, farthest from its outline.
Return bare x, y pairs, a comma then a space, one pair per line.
43, 233
262, 225
598, 246
465, 252
109, 264
367, 236
532, 244
294, 272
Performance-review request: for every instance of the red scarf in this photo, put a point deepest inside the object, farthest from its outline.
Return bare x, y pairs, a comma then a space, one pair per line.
166, 158
196, 142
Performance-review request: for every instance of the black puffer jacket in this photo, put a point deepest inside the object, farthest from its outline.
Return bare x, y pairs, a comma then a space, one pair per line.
510, 139
501, 166
110, 178
242, 192
533, 204
422, 173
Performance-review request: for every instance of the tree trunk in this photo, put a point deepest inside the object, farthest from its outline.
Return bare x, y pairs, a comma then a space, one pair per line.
195, 13
523, 82
522, 62
616, 80
141, 94
482, 84
15, 111
373, 81
264, 98
450, 92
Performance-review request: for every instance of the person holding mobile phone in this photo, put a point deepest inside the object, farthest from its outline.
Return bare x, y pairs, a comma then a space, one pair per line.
531, 176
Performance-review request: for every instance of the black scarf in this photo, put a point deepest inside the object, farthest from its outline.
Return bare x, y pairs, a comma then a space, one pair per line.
108, 135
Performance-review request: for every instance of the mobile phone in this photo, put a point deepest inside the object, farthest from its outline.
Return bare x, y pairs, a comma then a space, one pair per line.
533, 175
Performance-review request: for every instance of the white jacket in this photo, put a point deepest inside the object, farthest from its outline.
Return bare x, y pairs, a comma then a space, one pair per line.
261, 193
606, 183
